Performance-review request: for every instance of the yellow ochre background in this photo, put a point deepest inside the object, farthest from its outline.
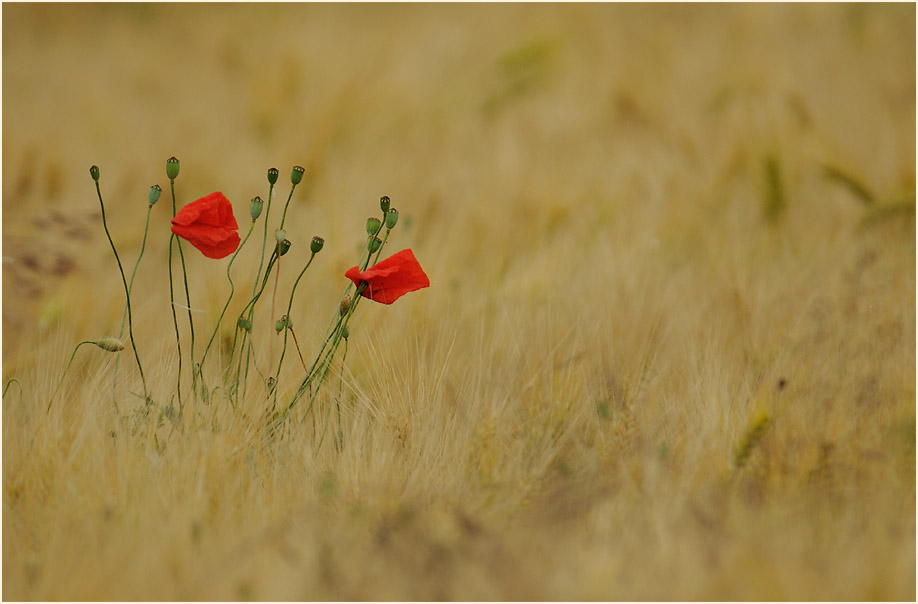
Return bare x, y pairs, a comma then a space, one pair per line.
668, 351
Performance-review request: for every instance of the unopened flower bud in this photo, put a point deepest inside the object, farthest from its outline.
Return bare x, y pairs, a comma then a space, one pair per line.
373, 245
154, 194
297, 175
344, 306
280, 235
315, 246
345, 332
172, 168
384, 203
391, 218
284, 246
94, 172
110, 344
373, 226
244, 324
255, 207
283, 322
272, 175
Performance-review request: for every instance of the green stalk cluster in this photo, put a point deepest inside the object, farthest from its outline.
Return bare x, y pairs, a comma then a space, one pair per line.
241, 357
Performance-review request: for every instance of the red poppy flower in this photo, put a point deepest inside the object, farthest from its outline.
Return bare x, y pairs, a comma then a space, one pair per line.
209, 225
390, 279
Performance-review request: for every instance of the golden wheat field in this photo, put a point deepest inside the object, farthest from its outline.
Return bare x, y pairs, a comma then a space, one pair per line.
667, 352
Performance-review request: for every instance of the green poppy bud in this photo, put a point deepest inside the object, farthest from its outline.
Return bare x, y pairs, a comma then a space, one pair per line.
384, 203
255, 207
94, 172
172, 168
316, 245
374, 244
154, 194
345, 332
391, 218
297, 175
279, 325
284, 246
280, 235
373, 226
272, 175
244, 324
110, 344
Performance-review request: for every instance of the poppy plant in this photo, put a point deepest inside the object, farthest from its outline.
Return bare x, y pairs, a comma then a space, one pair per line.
209, 225
390, 279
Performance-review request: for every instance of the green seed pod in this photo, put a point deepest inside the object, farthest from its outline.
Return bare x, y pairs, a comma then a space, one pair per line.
384, 203
110, 344
316, 245
284, 246
154, 194
279, 325
280, 235
272, 175
345, 332
94, 172
255, 207
373, 226
391, 218
172, 168
373, 245
244, 324
297, 175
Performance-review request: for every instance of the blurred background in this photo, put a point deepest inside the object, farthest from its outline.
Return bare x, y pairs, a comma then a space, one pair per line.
643, 225
490, 127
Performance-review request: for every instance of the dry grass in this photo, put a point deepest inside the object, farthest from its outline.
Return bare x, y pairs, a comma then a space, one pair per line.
648, 229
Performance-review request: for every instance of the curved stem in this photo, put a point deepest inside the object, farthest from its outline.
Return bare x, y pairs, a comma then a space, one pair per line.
320, 371
187, 293
7, 387
127, 291
178, 343
287, 205
143, 245
264, 240
228, 299
289, 307
66, 369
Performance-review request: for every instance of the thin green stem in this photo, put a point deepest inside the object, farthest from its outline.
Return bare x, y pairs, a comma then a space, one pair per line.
289, 308
127, 292
264, 241
379, 251
143, 245
7, 387
287, 205
187, 293
178, 343
250, 308
363, 262
66, 369
228, 299
320, 371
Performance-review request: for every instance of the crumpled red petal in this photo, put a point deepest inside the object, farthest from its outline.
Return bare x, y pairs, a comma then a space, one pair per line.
390, 279
209, 225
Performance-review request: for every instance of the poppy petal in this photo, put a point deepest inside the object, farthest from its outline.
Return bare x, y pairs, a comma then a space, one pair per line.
209, 225
390, 279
